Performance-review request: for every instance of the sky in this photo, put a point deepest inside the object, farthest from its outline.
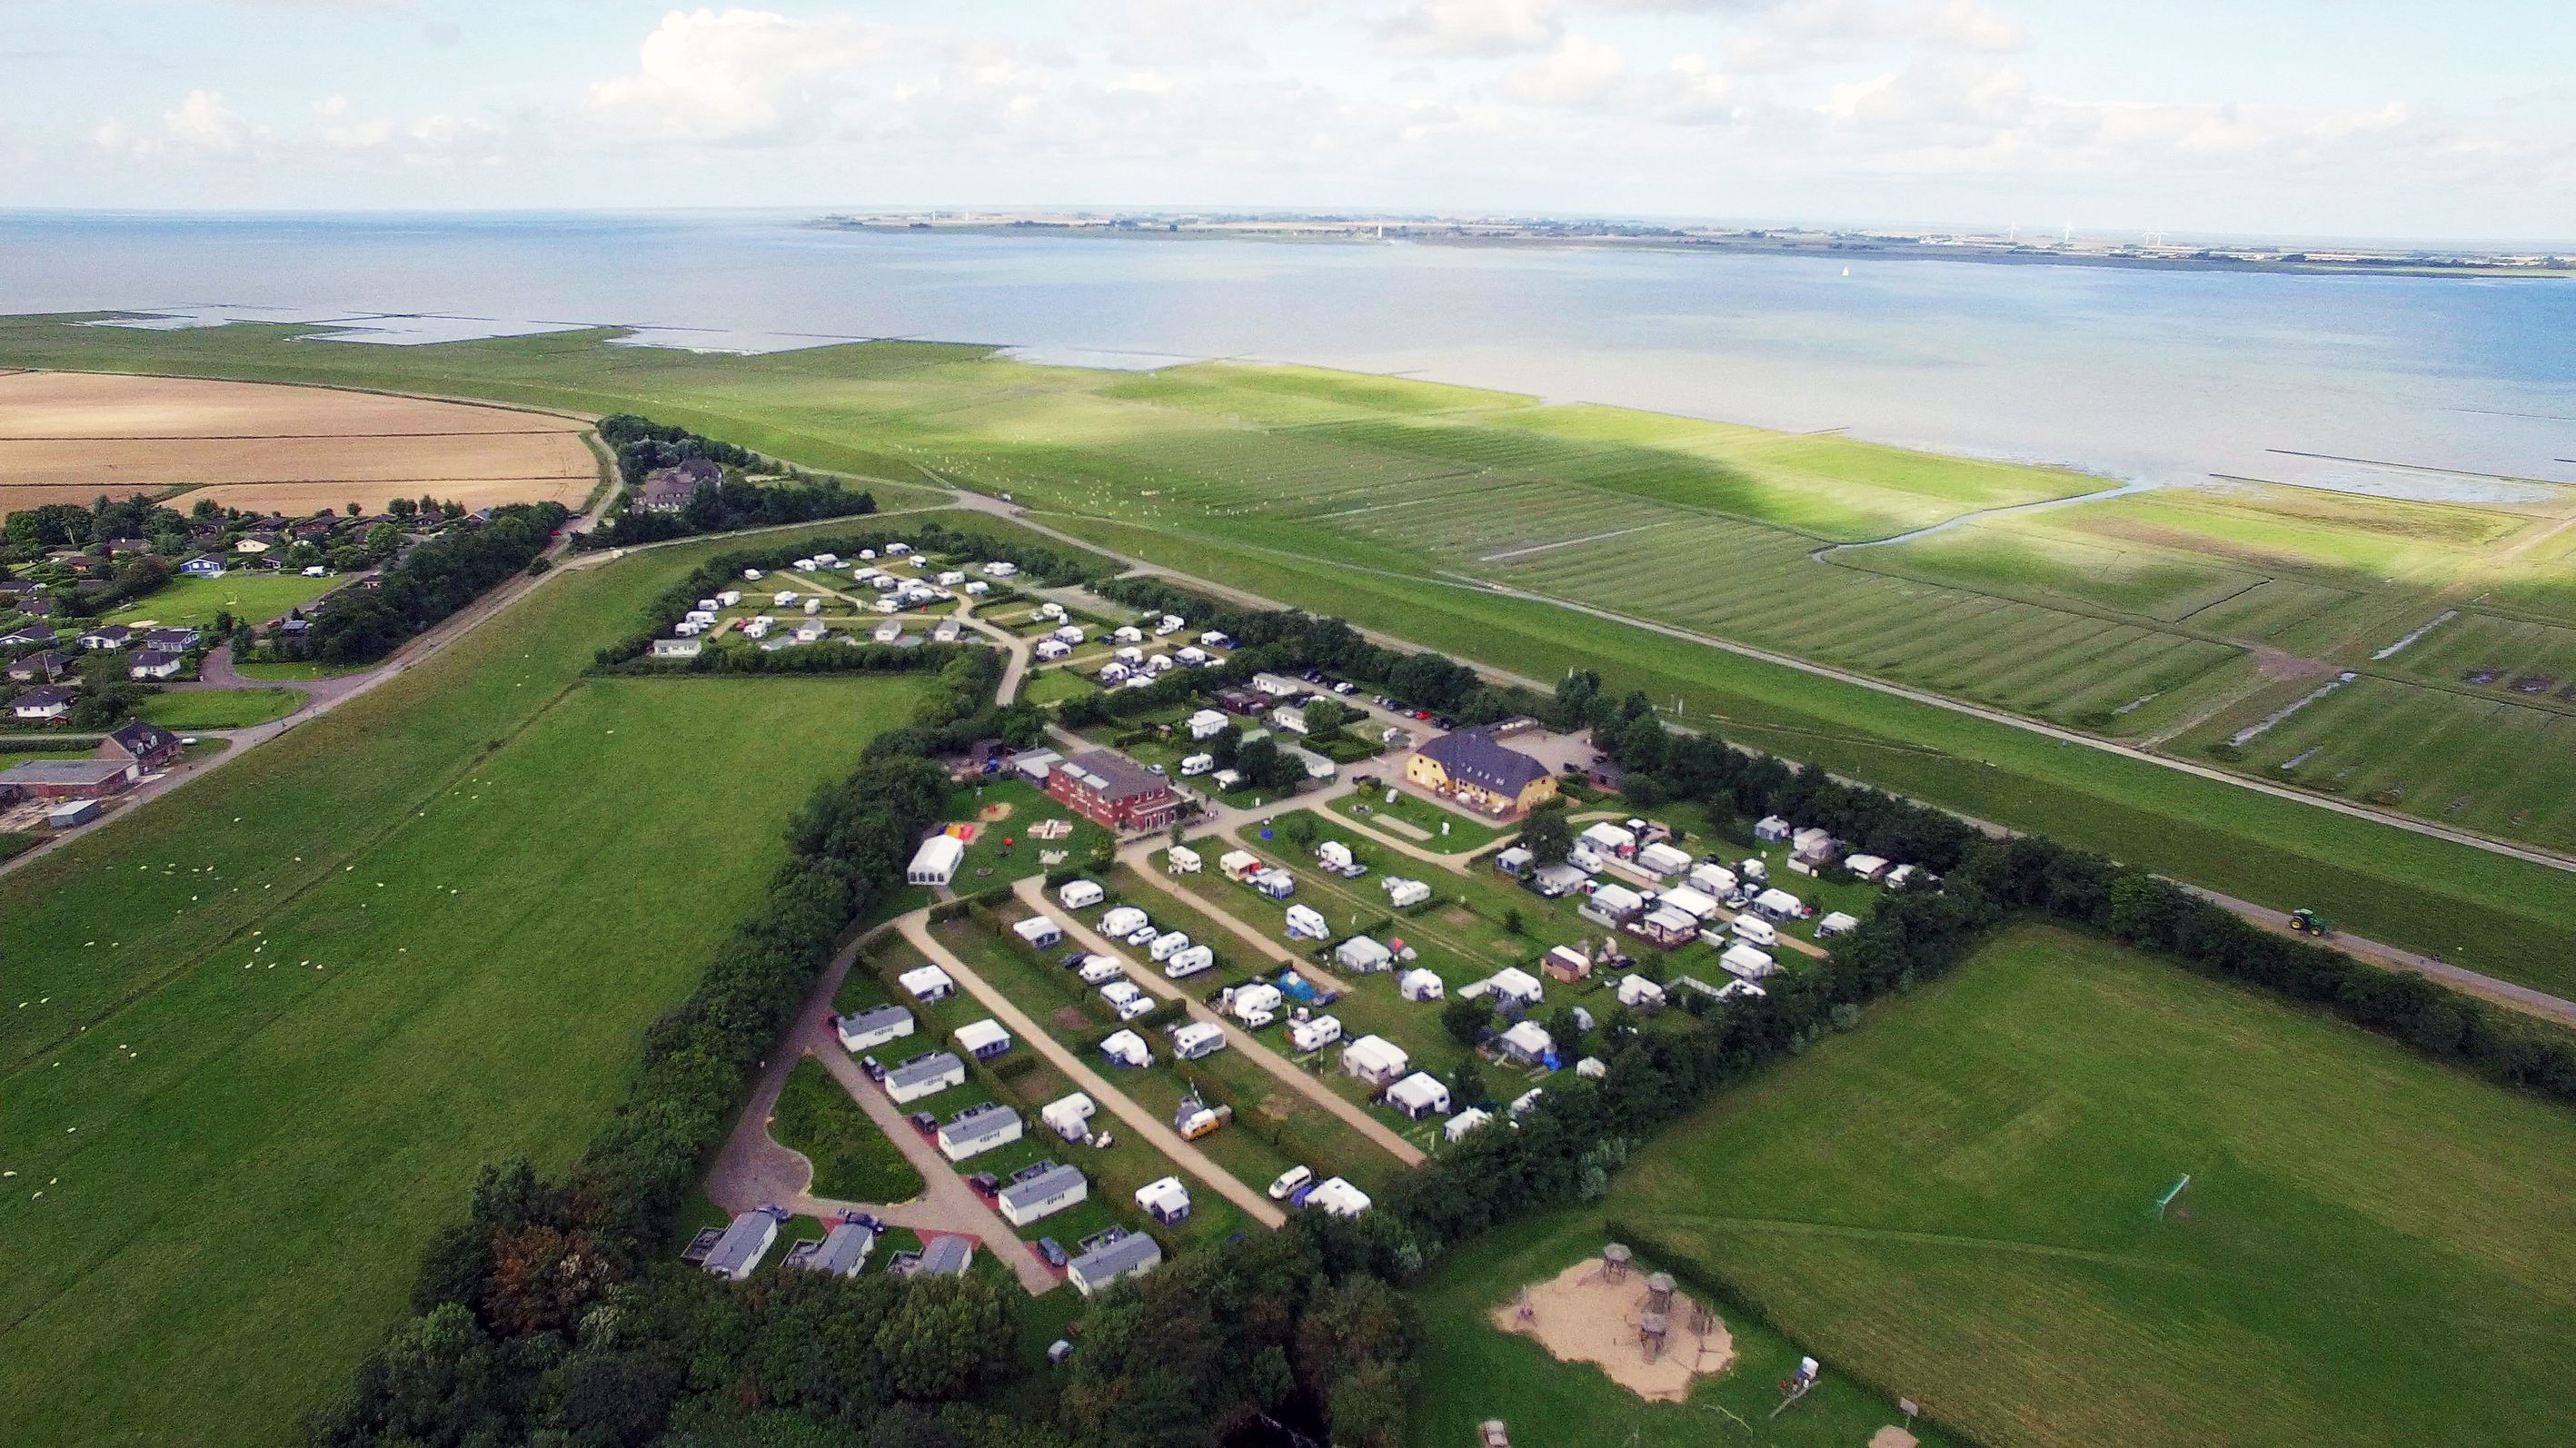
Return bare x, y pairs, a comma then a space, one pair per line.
2307, 118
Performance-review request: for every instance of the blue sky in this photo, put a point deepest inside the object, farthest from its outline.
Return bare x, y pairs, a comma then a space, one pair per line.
2297, 117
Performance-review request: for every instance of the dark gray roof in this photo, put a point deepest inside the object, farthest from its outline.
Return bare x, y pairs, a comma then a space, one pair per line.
1112, 776
924, 1068
978, 1122
874, 1018
843, 1253
945, 1257
1476, 757
1132, 1253
744, 1239
1045, 1184
64, 771
45, 697
140, 738
154, 658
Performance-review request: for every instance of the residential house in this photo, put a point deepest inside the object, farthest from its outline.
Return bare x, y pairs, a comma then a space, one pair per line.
1111, 790
145, 746
174, 640
42, 706
156, 664
107, 636
22, 637
40, 668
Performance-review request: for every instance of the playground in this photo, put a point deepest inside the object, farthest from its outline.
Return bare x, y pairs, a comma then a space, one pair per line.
1635, 1326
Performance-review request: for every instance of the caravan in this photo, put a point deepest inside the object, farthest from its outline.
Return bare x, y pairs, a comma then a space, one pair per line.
1197, 1039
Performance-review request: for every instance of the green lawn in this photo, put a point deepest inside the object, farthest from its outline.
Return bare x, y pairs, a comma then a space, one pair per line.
279, 1019
305, 670
219, 708
853, 1160
1050, 686
249, 597
1439, 829
1956, 1201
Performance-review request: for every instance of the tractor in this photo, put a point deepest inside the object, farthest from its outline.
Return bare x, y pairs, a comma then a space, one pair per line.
2309, 922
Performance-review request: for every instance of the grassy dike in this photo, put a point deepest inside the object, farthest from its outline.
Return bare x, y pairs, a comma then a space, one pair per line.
276, 1020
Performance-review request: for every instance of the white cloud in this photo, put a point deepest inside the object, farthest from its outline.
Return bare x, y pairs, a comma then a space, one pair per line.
1472, 28
736, 76
201, 127
1580, 73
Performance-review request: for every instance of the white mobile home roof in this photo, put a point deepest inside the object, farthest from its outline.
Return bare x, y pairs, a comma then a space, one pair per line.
1375, 1056
1609, 837
873, 1027
1689, 901
1038, 930
1025, 1201
1664, 859
745, 1241
925, 980
923, 1075
1418, 1092
1530, 1039
978, 1036
1466, 1121
1747, 962
1617, 900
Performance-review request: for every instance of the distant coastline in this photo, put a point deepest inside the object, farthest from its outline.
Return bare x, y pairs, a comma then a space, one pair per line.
1844, 246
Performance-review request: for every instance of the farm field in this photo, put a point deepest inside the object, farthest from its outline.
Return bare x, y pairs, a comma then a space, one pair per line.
194, 602
1359, 529
68, 437
332, 1110
1956, 1201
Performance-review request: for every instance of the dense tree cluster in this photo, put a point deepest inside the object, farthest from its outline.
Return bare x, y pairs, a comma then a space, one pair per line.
733, 502
432, 582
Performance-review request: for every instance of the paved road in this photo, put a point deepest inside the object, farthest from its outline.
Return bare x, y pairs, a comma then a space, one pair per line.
1033, 893
2502, 992
1144, 1123
752, 1169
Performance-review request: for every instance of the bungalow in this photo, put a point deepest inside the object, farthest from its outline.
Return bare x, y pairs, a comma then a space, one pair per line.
927, 983
983, 1039
1041, 1189
1376, 1060
745, 1241
1640, 994
40, 668
1039, 931
43, 705
1117, 1254
1419, 1095
34, 633
978, 1129
1362, 956
924, 1075
1527, 1043
840, 1252
1466, 1121
1420, 985
1476, 769
936, 862
145, 746
204, 565
1165, 1200
108, 636
1613, 905
868, 1029
156, 664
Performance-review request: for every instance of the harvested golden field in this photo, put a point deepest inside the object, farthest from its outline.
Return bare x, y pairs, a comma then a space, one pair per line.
67, 437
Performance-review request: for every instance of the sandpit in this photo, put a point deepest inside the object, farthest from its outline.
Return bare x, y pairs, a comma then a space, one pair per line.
994, 813
67, 437
1581, 1315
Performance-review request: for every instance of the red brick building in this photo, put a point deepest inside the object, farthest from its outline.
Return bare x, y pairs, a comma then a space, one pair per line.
1111, 790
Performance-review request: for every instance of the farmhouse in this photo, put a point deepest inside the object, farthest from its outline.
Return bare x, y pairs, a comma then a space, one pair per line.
1419, 1095
145, 746
1041, 1189
745, 1241
978, 1129
1376, 1060
668, 490
868, 1029
924, 1075
1117, 1254
936, 862
840, 1252
1111, 790
1475, 769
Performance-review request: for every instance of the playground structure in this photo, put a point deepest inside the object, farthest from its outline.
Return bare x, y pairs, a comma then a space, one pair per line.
1644, 1335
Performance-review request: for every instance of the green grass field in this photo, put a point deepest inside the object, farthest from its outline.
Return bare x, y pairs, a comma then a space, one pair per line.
278, 1019
1955, 1201
194, 602
853, 1160
1353, 496
219, 708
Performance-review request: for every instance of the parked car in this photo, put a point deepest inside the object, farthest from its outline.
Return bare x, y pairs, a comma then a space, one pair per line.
1050, 1253
875, 1072
923, 1122
1153, 769
1423, 714
1343, 686
1074, 958
1289, 1181
984, 1184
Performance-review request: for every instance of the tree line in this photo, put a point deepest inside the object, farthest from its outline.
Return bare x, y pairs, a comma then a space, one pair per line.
428, 584
644, 447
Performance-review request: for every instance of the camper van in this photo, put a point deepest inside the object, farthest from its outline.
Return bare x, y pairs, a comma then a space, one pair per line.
1081, 894
1754, 930
1197, 1039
